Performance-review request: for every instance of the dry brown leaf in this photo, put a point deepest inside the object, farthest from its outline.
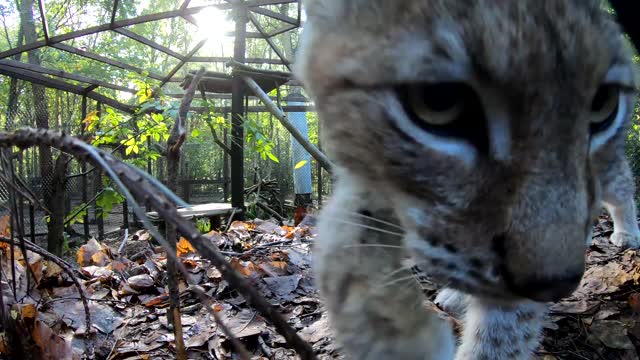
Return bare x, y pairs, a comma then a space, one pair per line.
5, 226
634, 302
100, 259
612, 334
52, 345
246, 268
139, 282
86, 252
159, 301
279, 264
4, 347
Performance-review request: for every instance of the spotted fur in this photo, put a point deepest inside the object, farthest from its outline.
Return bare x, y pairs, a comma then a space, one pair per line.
503, 216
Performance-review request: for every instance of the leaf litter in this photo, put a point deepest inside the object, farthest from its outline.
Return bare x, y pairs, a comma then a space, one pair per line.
129, 300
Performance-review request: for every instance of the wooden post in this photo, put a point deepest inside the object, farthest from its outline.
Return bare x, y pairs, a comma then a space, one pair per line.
319, 170
83, 170
98, 187
237, 111
225, 165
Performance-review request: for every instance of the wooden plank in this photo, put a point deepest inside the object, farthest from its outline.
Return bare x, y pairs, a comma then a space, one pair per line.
43, 17
202, 210
182, 62
106, 60
64, 75
149, 43
273, 46
110, 26
57, 84
275, 15
114, 11
282, 30
252, 109
221, 59
269, 2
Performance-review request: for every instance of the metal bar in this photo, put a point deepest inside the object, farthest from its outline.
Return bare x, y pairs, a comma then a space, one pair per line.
280, 115
150, 43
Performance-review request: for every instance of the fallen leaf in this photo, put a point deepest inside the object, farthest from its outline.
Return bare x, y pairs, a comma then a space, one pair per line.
283, 286
184, 247
634, 302
140, 282
5, 226
612, 334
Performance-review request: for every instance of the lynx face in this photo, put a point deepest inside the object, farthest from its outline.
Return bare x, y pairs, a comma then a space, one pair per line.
487, 123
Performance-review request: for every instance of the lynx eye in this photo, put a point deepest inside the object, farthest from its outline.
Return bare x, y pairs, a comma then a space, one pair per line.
438, 104
604, 108
449, 110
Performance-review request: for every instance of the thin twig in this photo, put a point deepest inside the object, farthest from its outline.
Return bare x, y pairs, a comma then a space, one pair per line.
130, 182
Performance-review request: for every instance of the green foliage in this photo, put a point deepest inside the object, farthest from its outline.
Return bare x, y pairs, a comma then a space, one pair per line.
257, 138
77, 214
107, 200
204, 225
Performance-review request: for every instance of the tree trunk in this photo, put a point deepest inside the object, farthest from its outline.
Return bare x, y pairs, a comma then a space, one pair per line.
55, 236
42, 118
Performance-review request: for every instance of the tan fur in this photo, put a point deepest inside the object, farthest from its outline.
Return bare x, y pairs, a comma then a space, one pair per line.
508, 224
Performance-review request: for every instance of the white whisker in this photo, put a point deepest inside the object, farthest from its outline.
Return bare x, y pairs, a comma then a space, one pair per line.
373, 246
395, 281
366, 226
374, 219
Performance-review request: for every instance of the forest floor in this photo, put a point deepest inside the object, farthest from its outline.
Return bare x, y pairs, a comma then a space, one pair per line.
128, 301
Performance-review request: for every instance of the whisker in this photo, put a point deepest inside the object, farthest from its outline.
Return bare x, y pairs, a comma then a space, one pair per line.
365, 226
397, 271
353, 213
395, 281
373, 246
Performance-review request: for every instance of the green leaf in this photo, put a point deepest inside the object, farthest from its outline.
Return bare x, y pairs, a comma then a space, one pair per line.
300, 164
195, 133
273, 158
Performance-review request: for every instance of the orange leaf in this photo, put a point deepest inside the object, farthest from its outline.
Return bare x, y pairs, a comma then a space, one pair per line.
279, 264
28, 311
5, 226
246, 270
159, 301
100, 259
184, 247
217, 308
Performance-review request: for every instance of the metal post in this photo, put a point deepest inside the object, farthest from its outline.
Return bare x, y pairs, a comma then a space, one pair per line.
237, 111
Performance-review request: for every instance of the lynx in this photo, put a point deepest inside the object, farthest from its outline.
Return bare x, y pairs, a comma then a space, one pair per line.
479, 137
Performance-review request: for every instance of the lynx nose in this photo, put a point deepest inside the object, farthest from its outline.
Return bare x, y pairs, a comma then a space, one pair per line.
547, 290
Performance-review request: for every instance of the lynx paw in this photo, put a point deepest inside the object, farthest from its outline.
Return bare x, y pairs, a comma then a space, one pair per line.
452, 301
625, 240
